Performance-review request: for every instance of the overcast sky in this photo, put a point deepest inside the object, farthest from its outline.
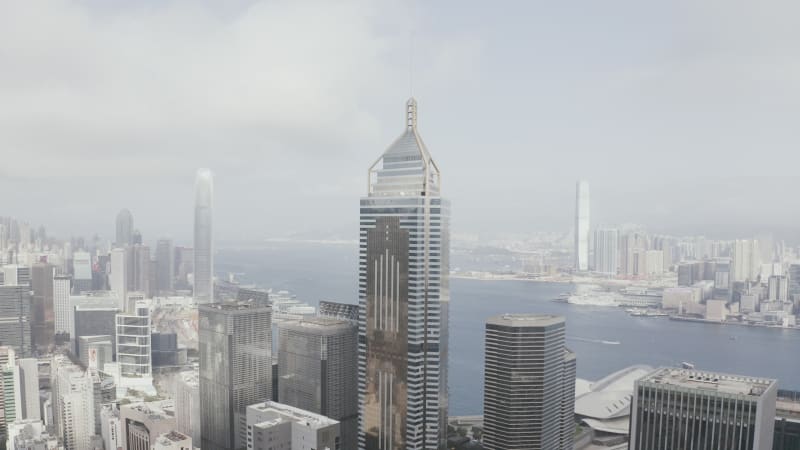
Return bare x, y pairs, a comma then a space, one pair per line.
683, 115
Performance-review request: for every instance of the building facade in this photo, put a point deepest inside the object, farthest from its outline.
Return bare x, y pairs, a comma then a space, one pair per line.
42, 314
15, 328
582, 226
529, 384
318, 370
272, 425
124, 228
404, 299
235, 369
134, 353
606, 251
681, 408
203, 237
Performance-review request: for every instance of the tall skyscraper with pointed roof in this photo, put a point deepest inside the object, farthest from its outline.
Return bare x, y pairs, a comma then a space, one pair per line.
203, 237
404, 299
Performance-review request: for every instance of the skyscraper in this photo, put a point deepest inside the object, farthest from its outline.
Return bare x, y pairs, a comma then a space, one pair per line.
139, 269
15, 328
165, 265
61, 308
124, 228
529, 384
118, 278
203, 237
746, 263
606, 251
43, 320
134, 358
680, 408
82, 271
404, 299
318, 370
582, 226
235, 369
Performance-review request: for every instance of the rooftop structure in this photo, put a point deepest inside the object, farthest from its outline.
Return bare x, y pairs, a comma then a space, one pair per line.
275, 425
605, 405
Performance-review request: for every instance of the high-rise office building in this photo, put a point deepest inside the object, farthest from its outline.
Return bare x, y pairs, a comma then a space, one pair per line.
134, 358
118, 278
124, 228
62, 286
82, 271
165, 265
681, 408
8, 399
15, 329
43, 317
582, 226
404, 299
529, 384
318, 370
235, 369
778, 288
203, 237
606, 251
139, 269
793, 273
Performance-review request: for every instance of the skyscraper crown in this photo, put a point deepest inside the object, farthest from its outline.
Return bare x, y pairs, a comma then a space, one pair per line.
406, 167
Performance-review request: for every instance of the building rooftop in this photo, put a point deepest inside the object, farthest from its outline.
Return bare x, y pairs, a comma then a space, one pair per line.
172, 436
710, 381
317, 324
273, 413
525, 320
234, 305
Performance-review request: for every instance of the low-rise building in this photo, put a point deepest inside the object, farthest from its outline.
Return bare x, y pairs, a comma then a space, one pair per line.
273, 425
173, 441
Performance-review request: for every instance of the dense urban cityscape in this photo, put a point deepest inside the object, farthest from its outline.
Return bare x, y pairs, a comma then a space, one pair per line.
107, 345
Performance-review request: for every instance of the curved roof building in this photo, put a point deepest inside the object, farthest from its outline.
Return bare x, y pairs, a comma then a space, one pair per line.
605, 405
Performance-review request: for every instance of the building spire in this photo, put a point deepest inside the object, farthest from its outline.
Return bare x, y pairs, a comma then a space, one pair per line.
411, 114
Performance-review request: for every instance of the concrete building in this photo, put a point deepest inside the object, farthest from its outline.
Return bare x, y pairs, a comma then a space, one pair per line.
654, 262
187, 404
679, 297
716, 310
778, 288
173, 441
142, 423
203, 237
273, 425
139, 269
9, 399
582, 211
93, 314
318, 370
124, 236
606, 251
727, 411
111, 427
723, 280
42, 314
746, 262
404, 298
15, 330
27, 389
73, 399
30, 435
529, 384
165, 350
793, 273
235, 369
96, 350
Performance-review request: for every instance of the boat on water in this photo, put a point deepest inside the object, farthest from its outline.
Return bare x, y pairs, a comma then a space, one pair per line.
687, 365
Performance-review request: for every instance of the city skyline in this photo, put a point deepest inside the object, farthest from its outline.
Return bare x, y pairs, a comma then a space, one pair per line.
676, 105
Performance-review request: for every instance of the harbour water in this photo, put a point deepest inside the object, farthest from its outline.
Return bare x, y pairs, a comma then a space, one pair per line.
605, 339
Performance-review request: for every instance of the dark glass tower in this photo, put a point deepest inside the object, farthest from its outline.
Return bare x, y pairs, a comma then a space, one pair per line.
403, 299
235, 369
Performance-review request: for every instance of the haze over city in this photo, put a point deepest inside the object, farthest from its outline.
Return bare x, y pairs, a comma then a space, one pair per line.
681, 115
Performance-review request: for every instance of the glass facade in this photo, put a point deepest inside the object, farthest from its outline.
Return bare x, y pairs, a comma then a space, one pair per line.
403, 299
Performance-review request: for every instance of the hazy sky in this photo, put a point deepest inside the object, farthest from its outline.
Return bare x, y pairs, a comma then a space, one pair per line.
683, 115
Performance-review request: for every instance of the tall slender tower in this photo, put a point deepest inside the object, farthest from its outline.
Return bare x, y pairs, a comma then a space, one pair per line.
582, 227
404, 299
203, 241
124, 228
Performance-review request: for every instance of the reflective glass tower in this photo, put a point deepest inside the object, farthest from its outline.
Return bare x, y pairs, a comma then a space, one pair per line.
124, 228
203, 242
403, 299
